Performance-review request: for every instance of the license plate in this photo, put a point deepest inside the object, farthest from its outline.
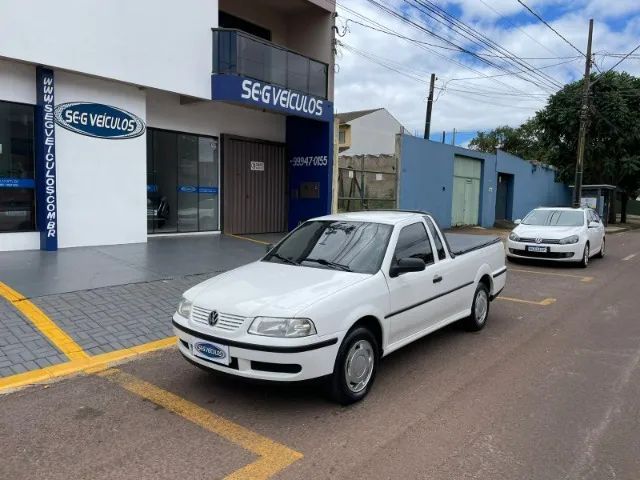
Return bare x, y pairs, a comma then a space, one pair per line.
537, 249
213, 352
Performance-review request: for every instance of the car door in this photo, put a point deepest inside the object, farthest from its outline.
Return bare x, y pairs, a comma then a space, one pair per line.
411, 295
595, 234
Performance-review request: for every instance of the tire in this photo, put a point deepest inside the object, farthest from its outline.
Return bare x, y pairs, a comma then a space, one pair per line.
584, 263
479, 309
601, 253
357, 346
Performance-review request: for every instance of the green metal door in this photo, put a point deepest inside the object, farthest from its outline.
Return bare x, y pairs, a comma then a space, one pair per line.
466, 191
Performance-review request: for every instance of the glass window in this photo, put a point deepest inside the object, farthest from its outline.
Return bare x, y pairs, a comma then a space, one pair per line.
555, 218
17, 194
413, 242
298, 73
182, 182
342, 136
436, 239
352, 246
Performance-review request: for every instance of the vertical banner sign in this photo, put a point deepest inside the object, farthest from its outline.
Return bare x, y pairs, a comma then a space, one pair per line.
45, 135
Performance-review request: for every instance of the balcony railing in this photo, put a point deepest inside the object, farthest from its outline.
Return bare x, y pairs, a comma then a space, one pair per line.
239, 53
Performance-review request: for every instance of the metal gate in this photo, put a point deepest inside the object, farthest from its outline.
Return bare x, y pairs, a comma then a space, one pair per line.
254, 183
465, 207
367, 182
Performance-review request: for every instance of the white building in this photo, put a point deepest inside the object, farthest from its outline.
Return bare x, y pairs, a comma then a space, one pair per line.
120, 119
368, 132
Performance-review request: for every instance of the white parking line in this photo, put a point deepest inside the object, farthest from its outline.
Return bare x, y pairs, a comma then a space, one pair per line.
628, 257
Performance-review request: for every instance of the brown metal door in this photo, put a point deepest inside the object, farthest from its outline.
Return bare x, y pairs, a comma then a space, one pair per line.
254, 186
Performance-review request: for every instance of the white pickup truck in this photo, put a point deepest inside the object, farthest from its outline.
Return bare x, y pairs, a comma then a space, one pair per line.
336, 295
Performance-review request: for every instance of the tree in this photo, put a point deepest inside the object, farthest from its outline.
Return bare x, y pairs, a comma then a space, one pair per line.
612, 151
519, 141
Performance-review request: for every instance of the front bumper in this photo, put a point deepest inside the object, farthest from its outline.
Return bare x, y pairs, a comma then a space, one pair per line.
555, 252
299, 360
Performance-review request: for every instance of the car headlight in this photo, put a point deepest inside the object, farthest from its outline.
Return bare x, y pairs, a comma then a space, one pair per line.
571, 239
514, 237
282, 327
184, 308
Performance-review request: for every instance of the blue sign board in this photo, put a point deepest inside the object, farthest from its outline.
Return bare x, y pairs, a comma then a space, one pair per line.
235, 88
98, 120
45, 148
17, 183
194, 189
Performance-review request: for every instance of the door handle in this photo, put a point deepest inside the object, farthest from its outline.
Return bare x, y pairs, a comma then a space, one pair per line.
437, 279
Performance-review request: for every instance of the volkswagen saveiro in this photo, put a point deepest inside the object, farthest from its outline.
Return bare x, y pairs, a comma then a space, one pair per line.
336, 295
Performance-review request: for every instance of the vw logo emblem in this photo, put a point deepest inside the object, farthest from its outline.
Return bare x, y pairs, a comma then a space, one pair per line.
538, 240
213, 318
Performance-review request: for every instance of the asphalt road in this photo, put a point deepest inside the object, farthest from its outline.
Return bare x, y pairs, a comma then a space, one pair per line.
548, 390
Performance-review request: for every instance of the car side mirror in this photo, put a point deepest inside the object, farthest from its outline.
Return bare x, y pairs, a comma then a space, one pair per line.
406, 265
268, 247
594, 224
517, 221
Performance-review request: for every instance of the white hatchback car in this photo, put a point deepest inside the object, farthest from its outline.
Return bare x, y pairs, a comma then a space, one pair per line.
559, 234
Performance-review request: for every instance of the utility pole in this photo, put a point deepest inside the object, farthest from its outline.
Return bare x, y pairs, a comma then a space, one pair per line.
453, 139
584, 117
427, 122
443, 135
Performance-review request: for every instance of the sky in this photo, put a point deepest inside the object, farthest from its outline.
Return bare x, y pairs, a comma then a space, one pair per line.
480, 103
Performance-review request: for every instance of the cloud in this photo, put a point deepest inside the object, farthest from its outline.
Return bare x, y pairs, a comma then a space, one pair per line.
480, 103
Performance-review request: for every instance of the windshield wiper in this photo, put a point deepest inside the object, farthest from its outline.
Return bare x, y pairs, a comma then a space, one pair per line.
328, 263
285, 259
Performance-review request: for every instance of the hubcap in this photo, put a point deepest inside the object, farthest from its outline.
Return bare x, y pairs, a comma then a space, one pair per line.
482, 304
602, 248
586, 255
358, 366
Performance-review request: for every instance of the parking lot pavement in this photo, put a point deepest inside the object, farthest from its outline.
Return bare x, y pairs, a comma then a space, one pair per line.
545, 391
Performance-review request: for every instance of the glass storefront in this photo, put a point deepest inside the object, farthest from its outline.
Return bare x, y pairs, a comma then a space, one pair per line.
182, 182
17, 194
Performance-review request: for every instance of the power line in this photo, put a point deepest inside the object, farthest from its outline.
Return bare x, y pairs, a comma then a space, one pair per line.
549, 26
617, 63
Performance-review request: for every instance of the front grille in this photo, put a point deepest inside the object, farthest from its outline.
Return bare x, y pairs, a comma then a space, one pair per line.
226, 321
548, 241
276, 367
524, 253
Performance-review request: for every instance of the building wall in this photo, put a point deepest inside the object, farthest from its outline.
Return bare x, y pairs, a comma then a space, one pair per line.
165, 45
373, 134
101, 183
426, 180
533, 185
163, 110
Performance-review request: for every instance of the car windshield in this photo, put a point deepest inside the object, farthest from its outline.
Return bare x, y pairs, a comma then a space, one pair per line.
555, 218
341, 245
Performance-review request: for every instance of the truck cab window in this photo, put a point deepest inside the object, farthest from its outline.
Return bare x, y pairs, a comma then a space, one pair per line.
413, 242
436, 238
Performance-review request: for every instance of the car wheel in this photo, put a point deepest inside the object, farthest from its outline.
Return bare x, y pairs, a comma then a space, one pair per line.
355, 367
479, 309
584, 263
602, 248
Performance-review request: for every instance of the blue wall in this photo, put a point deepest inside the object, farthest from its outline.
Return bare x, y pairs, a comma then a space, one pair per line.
533, 185
426, 181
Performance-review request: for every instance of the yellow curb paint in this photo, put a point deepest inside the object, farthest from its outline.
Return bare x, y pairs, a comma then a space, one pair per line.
86, 365
274, 456
44, 324
249, 239
582, 278
543, 303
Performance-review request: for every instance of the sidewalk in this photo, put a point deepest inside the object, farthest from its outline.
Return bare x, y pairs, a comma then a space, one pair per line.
102, 299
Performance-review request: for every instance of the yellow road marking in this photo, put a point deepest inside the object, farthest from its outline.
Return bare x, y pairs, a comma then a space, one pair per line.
273, 456
85, 365
581, 277
543, 303
44, 324
249, 239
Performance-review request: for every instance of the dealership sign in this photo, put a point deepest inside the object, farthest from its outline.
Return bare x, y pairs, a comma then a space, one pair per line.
98, 120
235, 88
